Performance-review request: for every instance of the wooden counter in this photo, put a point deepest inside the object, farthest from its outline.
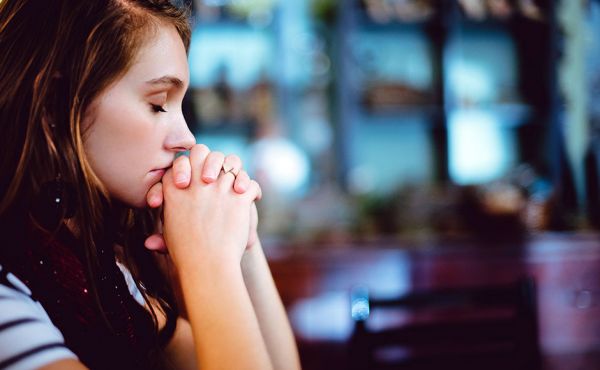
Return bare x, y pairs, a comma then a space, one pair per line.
315, 282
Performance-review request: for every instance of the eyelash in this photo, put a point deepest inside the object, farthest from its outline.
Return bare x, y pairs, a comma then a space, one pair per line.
158, 108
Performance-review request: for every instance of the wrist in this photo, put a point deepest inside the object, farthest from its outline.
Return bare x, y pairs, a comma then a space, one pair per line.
211, 263
252, 257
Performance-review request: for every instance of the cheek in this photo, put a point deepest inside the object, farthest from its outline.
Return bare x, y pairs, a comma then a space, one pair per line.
124, 129
121, 149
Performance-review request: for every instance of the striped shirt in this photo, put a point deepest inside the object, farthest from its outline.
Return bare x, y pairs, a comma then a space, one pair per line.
28, 338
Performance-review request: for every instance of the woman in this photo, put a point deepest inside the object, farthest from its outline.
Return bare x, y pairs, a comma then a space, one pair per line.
90, 123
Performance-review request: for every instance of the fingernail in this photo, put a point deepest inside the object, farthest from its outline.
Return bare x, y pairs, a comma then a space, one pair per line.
209, 177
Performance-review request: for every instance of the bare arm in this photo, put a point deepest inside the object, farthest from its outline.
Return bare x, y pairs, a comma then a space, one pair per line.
269, 310
218, 334
271, 315
206, 228
259, 290
224, 326
67, 364
180, 350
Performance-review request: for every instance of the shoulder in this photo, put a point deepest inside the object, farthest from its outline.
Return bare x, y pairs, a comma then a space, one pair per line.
28, 339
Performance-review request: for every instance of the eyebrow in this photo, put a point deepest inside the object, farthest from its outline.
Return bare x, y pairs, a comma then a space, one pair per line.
166, 80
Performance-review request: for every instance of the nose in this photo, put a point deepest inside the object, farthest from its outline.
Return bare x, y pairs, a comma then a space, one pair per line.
180, 138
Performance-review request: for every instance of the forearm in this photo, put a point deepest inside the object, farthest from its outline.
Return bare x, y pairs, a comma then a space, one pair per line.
271, 315
180, 351
224, 326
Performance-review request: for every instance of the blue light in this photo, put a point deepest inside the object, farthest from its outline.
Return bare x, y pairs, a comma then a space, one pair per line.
481, 148
360, 308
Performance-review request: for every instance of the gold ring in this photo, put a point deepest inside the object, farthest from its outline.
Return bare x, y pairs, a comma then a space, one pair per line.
229, 169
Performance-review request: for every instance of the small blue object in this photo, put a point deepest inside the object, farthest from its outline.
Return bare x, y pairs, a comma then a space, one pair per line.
359, 300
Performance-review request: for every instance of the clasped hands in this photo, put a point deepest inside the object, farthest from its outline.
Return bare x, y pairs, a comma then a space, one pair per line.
203, 198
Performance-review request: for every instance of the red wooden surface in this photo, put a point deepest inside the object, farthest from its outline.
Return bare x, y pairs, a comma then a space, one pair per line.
315, 282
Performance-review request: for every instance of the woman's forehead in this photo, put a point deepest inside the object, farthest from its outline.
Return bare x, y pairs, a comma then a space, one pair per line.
162, 59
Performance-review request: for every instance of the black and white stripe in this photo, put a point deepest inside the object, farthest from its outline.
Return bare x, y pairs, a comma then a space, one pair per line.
28, 339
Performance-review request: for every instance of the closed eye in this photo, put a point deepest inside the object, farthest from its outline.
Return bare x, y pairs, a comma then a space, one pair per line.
157, 108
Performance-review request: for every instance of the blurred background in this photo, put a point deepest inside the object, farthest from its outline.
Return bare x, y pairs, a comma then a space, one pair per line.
365, 119
413, 145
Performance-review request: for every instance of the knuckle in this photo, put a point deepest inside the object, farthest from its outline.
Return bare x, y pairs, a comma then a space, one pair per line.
199, 151
253, 186
218, 156
201, 148
232, 158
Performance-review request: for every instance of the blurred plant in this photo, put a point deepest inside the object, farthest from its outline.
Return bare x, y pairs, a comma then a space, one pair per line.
492, 213
325, 10
384, 11
503, 211
502, 9
256, 12
376, 216
411, 212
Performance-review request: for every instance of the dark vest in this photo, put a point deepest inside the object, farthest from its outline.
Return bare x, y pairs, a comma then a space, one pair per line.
121, 336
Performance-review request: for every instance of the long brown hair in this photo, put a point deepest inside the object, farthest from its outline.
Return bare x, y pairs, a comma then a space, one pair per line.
56, 57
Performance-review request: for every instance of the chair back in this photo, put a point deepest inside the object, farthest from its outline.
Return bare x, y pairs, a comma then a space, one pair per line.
484, 328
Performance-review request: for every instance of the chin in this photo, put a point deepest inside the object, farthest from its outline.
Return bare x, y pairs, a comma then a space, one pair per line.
140, 204
133, 201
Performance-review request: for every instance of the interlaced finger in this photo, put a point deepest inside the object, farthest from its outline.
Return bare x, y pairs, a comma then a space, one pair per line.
212, 166
154, 197
198, 156
182, 172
